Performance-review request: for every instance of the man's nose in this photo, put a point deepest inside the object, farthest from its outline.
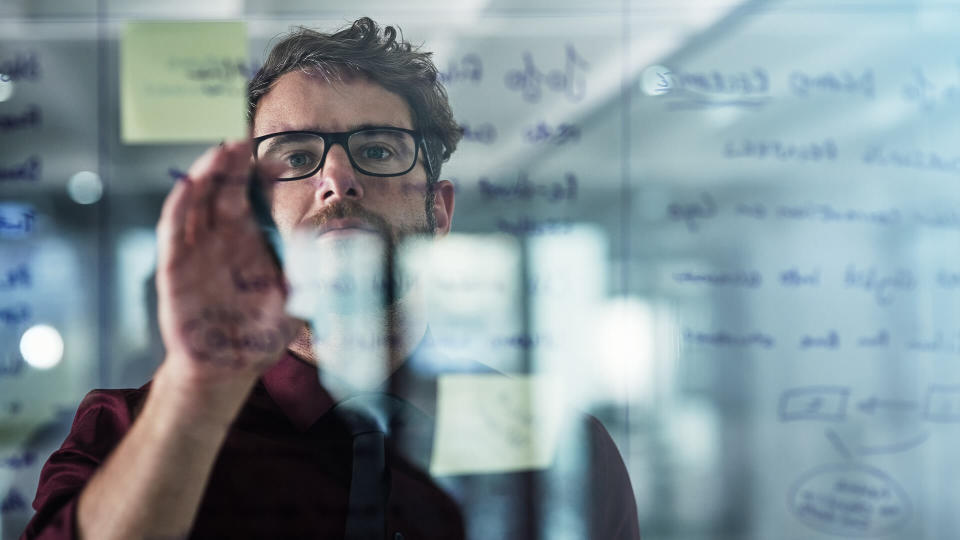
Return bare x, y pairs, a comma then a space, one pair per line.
338, 179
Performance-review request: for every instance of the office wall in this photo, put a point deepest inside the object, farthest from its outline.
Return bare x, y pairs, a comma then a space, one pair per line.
732, 224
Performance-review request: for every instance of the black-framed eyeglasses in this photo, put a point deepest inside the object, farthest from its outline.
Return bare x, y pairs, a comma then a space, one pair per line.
374, 151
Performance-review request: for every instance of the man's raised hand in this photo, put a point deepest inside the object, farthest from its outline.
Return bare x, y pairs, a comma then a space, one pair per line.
220, 294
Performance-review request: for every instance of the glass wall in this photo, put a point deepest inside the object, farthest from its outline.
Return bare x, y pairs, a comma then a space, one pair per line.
726, 230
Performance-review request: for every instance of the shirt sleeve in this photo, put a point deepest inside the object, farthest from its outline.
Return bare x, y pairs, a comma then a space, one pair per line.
102, 420
614, 506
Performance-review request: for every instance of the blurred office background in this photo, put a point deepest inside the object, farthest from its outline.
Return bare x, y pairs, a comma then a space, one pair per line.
731, 229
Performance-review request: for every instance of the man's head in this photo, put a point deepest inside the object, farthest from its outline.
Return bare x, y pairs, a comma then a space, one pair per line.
359, 76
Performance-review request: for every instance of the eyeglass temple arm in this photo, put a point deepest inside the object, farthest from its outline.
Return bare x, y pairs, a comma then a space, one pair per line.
432, 170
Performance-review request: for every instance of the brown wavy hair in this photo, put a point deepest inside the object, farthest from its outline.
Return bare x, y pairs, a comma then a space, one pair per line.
383, 57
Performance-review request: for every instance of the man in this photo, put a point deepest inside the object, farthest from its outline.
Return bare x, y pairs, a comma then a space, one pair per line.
235, 437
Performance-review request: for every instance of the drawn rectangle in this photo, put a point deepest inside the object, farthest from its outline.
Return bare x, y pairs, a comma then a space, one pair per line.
818, 403
942, 404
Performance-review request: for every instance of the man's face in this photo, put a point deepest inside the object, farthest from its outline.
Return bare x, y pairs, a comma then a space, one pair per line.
338, 196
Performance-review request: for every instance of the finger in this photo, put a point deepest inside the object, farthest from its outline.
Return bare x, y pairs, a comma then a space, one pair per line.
171, 227
261, 197
205, 174
267, 172
230, 200
203, 164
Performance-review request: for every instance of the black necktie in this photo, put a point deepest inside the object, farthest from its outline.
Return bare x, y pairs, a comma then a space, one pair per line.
368, 417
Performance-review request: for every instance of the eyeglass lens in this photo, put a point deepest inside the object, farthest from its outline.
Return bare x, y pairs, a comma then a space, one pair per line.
375, 151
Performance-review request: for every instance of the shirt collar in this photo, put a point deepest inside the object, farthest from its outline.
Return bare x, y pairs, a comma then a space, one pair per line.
294, 385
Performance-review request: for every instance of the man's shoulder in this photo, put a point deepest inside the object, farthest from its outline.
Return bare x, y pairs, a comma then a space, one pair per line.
110, 408
132, 398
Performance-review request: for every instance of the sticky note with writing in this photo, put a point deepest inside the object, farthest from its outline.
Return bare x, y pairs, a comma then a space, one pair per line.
493, 423
183, 81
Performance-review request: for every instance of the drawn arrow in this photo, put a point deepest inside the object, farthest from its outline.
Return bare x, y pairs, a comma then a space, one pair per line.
870, 406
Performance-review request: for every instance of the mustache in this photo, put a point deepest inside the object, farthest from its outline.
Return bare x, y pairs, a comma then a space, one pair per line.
353, 210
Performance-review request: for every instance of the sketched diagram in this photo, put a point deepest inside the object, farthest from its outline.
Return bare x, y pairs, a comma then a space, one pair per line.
850, 499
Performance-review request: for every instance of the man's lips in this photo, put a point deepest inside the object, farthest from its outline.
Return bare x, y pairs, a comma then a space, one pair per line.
346, 225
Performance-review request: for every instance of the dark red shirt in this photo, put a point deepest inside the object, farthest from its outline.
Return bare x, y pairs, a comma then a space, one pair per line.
284, 471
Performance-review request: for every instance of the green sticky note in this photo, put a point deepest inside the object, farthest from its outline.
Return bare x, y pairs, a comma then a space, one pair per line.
183, 81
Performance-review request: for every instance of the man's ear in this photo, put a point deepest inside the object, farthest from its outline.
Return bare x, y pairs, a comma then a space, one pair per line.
443, 202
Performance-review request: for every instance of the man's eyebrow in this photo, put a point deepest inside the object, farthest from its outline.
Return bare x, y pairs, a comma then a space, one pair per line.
380, 125
366, 125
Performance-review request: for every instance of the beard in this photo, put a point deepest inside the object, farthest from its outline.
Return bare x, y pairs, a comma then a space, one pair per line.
351, 274
346, 286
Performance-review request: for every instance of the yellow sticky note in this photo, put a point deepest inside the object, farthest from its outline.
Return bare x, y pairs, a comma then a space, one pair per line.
492, 423
183, 81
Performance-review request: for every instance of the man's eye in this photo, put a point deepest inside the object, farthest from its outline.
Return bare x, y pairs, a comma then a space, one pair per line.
376, 152
298, 160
